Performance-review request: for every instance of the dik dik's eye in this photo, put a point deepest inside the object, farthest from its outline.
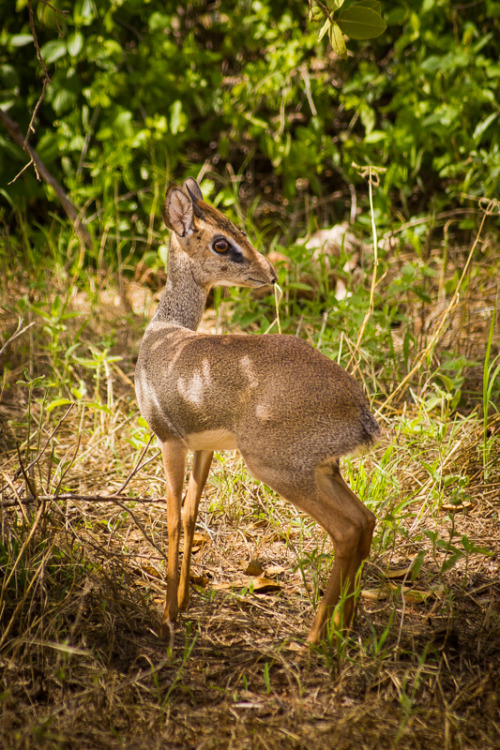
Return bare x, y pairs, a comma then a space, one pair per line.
221, 245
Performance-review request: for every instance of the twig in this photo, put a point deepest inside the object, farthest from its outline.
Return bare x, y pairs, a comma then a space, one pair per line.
278, 294
307, 84
456, 212
73, 214
82, 498
325, 10
372, 174
137, 467
15, 335
54, 9
29, 484
141, 527
21, 171
116, 499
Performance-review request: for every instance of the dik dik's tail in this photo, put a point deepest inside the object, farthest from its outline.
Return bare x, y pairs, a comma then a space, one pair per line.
371, 427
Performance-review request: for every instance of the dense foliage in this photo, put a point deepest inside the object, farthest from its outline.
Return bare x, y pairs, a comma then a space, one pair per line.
140, 89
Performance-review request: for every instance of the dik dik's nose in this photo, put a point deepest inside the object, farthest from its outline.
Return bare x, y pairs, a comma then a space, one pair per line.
273, 276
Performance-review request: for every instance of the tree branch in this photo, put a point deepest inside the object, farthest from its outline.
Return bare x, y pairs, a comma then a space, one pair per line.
42, 172
118, 499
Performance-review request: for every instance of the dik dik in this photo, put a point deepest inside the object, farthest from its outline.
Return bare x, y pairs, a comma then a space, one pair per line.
289, 410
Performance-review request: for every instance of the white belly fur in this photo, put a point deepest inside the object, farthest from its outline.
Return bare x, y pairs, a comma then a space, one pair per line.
212, 440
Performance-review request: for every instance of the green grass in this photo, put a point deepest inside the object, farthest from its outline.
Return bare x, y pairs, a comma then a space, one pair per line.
83, 576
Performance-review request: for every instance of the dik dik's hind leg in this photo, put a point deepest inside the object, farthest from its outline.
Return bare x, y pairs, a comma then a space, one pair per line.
350, 524
201, 467
174, 460
322, 493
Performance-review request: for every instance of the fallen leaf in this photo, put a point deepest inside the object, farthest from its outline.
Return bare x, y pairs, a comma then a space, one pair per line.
399, 572
225, 585
275, 570
417, 596
200, 580
254, 568
375, 594
292, 646
199, 541
457, 508
152, 571
263, 584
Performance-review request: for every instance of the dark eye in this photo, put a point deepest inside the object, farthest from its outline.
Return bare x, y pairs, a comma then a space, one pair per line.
221, 245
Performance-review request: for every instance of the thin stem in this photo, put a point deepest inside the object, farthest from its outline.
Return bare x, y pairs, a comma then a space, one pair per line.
373, 178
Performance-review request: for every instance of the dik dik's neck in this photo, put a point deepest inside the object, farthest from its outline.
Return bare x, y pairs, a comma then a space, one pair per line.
183, 300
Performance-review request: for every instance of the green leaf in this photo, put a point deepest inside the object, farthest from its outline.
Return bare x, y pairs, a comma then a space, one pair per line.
375, 136
177, 117
323, 30
7, 197
122, 125
84, 12
159, 21
75, 43
448, 383
299, 285
334, 5
337, 40
451, 561
63, 100
316, 13
360, 22
53, 50
163, 254
20, 40
59, 402
63, 93
482, 126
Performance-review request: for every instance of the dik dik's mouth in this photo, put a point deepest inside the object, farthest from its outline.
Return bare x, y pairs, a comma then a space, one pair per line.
253, 282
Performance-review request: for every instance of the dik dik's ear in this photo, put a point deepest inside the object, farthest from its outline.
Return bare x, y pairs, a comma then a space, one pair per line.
191, 188
178, 212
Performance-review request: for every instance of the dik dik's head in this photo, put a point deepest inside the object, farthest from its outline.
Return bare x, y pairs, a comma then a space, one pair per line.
219, 252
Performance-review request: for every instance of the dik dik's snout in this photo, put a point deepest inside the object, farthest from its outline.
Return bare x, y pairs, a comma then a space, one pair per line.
272, 273
269, 272
262, 275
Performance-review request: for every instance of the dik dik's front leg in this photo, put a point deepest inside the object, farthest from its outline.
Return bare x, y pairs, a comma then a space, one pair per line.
201, 467
174, 461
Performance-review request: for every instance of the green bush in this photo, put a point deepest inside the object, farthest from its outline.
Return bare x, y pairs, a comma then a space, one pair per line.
145, 91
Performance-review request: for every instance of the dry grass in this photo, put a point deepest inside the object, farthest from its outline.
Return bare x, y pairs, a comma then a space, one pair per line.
80, 662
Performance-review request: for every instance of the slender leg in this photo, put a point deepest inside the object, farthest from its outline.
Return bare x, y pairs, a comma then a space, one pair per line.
174, 461
323, 494
351, 527
201, 467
